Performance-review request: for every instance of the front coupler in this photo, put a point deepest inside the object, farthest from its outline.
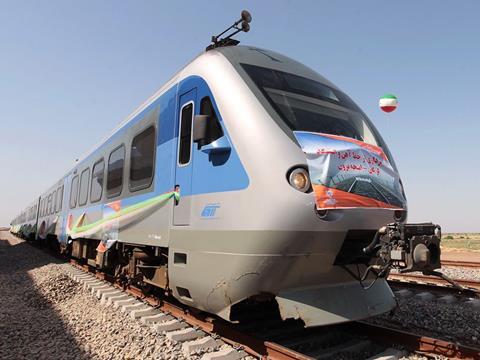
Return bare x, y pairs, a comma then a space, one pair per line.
407, 247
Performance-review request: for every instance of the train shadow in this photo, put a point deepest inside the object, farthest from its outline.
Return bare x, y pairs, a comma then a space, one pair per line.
30, 326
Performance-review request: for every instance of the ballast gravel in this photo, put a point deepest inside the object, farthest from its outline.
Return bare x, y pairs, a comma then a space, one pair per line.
44, 314
455, 321
461, 273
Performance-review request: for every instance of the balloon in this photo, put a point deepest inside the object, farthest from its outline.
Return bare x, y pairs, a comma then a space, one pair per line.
388, 103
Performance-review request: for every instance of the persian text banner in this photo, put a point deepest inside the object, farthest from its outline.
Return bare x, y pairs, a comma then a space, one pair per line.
347, 173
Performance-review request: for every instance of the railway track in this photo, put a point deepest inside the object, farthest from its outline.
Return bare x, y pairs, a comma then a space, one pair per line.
260, 333
463, 264
472, 287
263, 335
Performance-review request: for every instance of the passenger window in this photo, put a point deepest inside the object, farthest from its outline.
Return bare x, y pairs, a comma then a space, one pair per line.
142, 158
49, 204
59, 198
54, 199
115, 172
214, 129
96, 188
73, 192
185, 134
83, 194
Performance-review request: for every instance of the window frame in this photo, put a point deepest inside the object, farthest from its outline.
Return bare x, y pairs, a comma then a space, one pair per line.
102, 159
109, 196
71, 192
58, 204
180, 133
49, 204
154, 157
54, 201
214, 117
86, 170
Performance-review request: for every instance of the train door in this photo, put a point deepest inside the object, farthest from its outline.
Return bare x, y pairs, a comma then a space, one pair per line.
184, 164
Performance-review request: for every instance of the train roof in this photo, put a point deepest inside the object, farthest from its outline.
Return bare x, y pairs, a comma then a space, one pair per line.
236, 55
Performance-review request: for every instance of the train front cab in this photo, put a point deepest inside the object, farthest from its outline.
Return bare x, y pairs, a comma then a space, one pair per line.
245, 236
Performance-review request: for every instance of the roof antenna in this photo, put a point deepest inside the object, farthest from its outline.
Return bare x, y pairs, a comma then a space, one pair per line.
228, 41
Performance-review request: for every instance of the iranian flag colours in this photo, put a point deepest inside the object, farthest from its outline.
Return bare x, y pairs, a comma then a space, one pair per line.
388, 103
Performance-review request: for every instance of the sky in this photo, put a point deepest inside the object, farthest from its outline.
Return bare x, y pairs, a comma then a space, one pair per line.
70, 71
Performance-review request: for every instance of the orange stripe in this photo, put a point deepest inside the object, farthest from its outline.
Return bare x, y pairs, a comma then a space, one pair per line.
345, 199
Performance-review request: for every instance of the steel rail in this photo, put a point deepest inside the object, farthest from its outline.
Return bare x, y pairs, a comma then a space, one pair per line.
417, 343
464, 264
432, 280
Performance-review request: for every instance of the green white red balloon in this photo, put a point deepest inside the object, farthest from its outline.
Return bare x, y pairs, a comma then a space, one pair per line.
388, 103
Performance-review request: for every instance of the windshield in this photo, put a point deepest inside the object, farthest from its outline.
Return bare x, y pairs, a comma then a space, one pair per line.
308, 105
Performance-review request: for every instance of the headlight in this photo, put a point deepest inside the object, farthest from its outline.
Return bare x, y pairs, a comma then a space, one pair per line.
299, 179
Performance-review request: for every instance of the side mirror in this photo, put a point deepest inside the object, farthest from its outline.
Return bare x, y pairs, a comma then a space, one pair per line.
199, 127
219, 146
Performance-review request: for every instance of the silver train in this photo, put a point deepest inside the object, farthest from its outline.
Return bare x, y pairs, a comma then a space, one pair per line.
202, 192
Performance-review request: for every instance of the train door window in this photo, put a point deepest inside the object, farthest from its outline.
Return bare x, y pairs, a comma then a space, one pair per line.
74, 192
142, 159
214, 129
83, 193
186, 118
96, 188
59, 198
115, 172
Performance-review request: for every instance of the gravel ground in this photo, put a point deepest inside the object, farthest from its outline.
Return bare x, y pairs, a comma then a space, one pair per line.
461, 273
455, 321
46, 315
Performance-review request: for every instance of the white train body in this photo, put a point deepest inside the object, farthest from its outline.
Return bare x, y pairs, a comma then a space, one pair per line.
222, 213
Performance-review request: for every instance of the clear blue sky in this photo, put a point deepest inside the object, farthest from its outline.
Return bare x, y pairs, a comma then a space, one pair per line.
71, 70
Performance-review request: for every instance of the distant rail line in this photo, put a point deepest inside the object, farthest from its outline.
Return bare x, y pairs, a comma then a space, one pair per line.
464, 264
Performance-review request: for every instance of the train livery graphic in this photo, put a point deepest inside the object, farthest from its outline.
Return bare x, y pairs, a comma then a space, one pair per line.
348, 173
204, 192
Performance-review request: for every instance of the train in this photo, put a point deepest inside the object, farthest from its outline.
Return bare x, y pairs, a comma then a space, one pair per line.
206, 192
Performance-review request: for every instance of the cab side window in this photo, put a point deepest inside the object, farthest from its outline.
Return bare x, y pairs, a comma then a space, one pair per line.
74, 192
116, 162
214, 129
